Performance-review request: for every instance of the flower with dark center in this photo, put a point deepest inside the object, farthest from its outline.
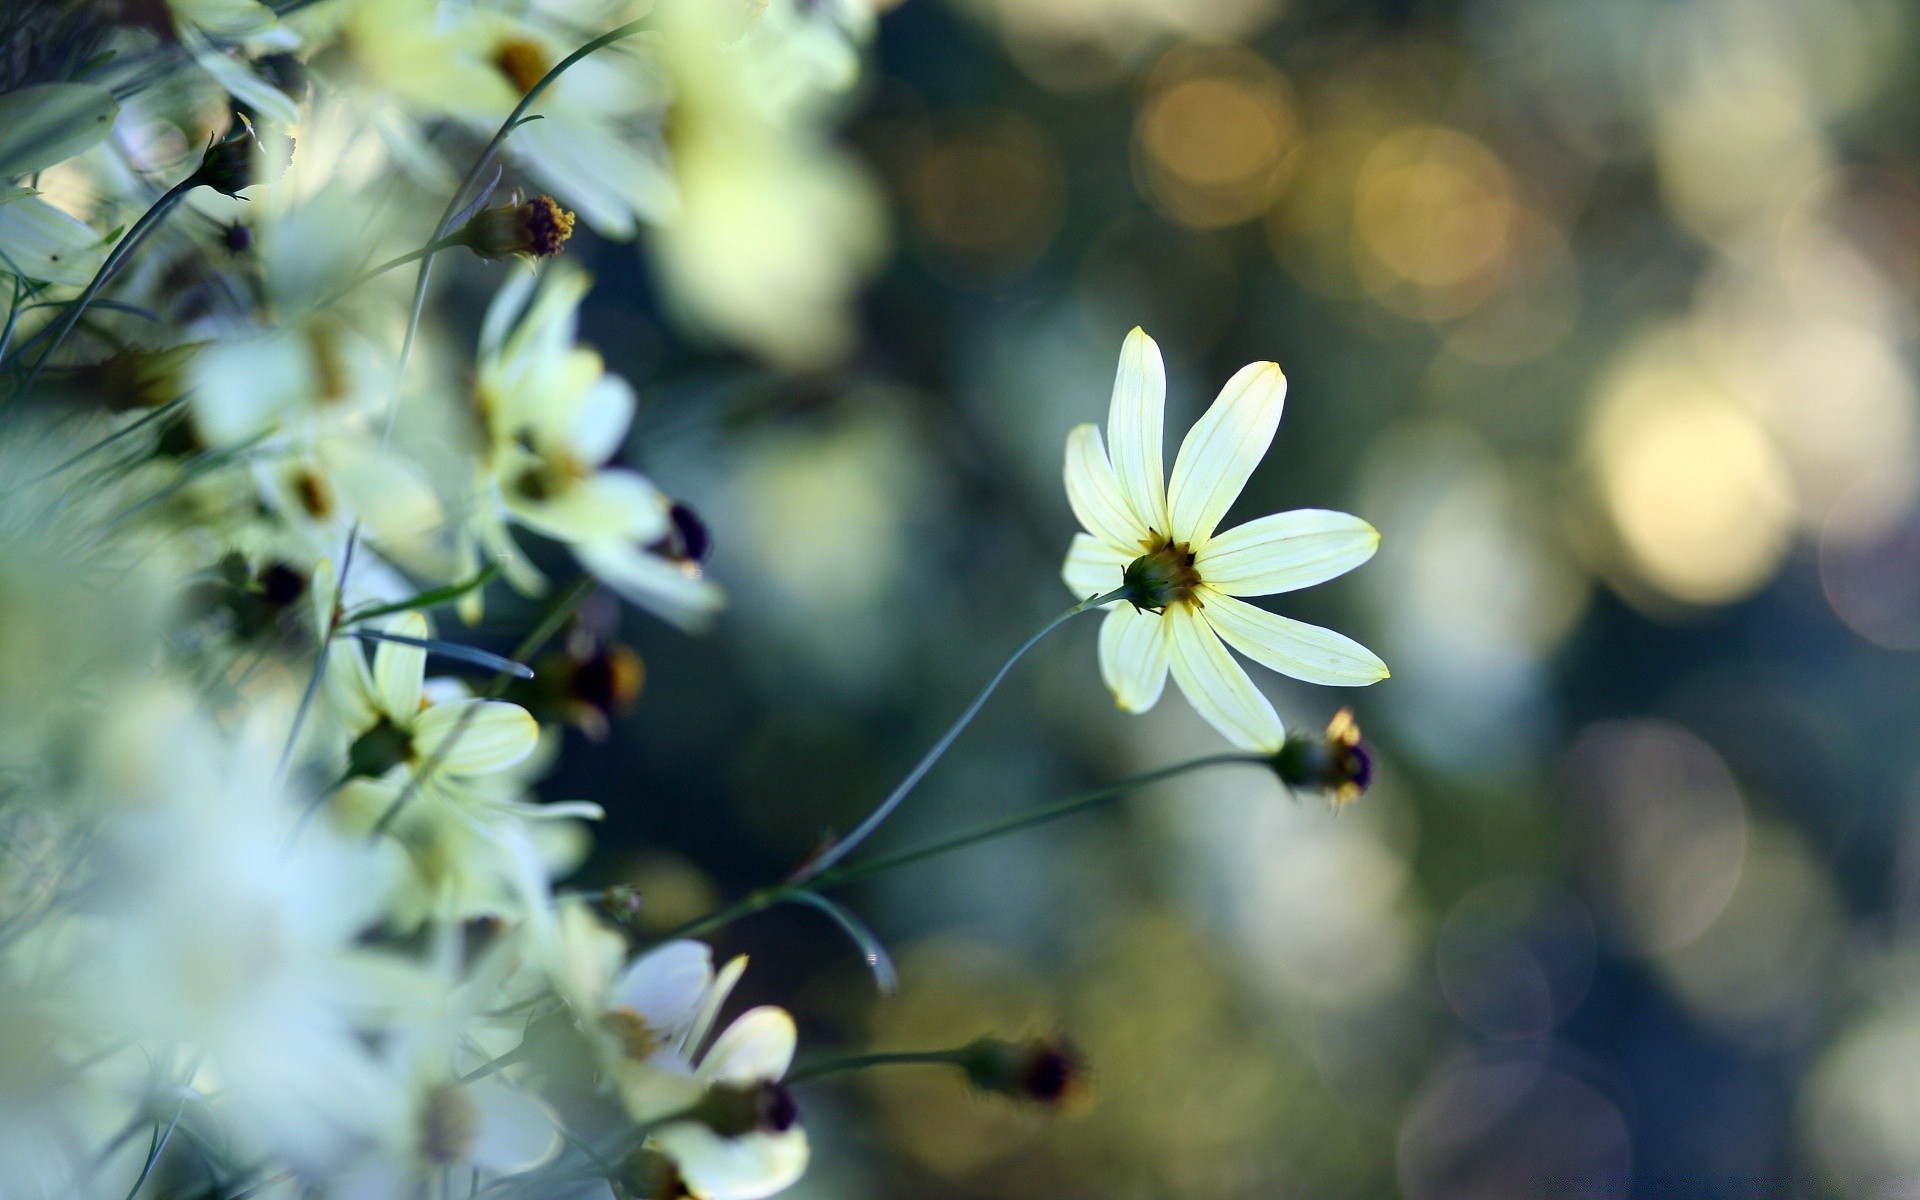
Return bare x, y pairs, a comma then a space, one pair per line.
1159, 537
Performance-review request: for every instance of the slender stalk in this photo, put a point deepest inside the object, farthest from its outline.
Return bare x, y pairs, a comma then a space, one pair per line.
854, 872
846, 845
860, 1062
767, 897
148, 222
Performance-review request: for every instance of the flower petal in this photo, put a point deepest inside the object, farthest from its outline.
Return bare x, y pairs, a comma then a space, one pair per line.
494, 737
1217, 686
516, 1132
1222, 449
612, 504
1133, 656
606, 413
1093, 568
1306, 652
665, 986
749, 1167
1135, 423
398, 668
665, 589
710, 1005
757, 1047
350, 685
1285, 552
1095, 494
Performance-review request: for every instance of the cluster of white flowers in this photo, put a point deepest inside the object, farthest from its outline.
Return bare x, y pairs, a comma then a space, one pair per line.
278, 911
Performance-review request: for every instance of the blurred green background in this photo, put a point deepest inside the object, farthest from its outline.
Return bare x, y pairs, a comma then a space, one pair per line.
1602, 311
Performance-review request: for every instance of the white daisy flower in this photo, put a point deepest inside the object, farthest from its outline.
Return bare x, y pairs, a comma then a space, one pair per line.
1158, 537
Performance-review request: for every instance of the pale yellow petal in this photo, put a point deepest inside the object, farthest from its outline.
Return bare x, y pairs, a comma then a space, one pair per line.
398, 668
475, 737
1093, 568
1306, 652
1285, 552
757, 1047
1095, 494
1222, 449
1217, 686
1133, 656
1135, 426
750, 1167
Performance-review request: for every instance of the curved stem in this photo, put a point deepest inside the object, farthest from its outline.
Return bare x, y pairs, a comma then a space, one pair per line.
860, 1062
148, 221
1041, 816
842, 847
767, 897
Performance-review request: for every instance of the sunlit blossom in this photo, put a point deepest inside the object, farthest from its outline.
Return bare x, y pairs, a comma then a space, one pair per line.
1157, 538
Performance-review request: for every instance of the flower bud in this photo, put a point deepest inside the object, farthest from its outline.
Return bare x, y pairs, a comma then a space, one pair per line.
1336, 762
537, 229
731, 1110
1045, 1070
230, 164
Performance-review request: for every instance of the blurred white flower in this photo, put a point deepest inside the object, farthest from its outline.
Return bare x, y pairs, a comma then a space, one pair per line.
1158, 538
218, 946
776, 227
553, 418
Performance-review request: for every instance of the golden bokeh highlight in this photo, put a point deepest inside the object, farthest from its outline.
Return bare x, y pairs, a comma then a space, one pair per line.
990, 194
1433, 215
1700, 498
1217, 136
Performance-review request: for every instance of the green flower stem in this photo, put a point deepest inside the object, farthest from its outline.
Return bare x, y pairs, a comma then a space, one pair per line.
860, 1062
768, 897
844, 846
854, 872
148, 222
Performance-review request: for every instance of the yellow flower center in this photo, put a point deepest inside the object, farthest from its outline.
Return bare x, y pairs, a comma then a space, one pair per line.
1163, 575
638, 1041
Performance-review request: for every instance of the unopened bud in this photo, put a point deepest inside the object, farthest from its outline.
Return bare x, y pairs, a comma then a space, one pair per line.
1045, 1070
537, 228
1336, 762
231, 164
732, 1110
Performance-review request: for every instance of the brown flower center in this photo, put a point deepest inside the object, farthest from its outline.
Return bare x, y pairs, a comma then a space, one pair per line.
523, 62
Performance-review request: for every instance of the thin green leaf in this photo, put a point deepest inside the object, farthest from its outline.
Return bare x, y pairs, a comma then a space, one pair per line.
426, 600
454, 650
878, 960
